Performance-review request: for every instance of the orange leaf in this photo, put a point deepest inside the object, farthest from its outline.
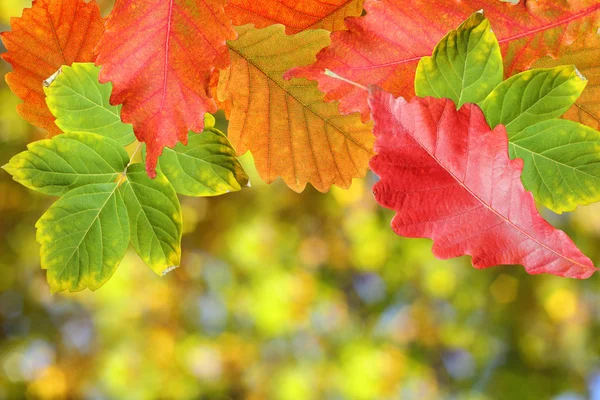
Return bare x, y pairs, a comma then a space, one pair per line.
50, 34
295, 15
291, 131
385, 46
585, 55
160, 56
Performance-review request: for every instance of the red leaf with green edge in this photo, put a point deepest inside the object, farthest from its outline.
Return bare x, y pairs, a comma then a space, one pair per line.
296, 15
160, 56
449, 178
50, 34
385, 46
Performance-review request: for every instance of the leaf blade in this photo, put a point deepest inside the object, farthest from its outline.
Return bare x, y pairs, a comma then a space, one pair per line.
449, 178
160, 70
560, 168
68, 161
81, 104
456, 69
295, 133
206, 166
154, 217
384, 47
84, 236
297, 16
542, 94
66, 31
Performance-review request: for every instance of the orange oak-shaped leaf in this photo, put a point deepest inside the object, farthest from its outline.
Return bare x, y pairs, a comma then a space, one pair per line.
50, 34
296, 15
449, 178
291, 131
385, 46
160, 56
585, 55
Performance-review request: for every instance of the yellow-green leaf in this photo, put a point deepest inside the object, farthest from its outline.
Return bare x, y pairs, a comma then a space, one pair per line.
206, 166
155, 218
84, 236
466, 65
81, 103
55, 166
533, 96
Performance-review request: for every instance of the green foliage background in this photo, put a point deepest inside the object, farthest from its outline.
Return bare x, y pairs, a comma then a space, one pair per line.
289, 296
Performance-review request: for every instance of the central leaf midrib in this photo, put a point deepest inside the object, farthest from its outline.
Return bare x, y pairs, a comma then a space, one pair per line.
488, 206
297, 99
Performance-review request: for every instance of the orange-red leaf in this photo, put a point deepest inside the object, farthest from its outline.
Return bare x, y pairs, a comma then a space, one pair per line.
385, 46
585, 55
449, 178
290, 130
50, 34
295, 15
160, 56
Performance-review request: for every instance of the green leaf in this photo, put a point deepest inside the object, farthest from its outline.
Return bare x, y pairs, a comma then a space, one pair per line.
533, 96
562, 163
55, 166
207, 166
84, 236
155, 218
466, 65
80, 103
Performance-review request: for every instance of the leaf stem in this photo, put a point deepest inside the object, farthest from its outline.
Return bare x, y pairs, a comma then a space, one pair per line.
124, 173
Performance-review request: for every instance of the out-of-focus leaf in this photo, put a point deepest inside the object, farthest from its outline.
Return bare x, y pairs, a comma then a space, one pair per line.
206, 166
50, 34
55, 166
466, 64
82, 104
155, 218
84, 236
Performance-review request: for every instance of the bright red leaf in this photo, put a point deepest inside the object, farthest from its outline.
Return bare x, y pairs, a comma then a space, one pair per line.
295, 15
449, 178
385, 46
50, 34
160, 56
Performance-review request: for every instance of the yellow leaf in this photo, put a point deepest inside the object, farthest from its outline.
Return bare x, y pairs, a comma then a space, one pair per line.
289, 128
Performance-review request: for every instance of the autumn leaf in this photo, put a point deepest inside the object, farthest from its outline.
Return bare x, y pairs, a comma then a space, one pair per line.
585, 55
449, 178
50, 34
160, 57
384, 47
289, 128
295, 15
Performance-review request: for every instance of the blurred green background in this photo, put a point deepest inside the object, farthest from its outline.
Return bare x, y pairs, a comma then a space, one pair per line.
290, 297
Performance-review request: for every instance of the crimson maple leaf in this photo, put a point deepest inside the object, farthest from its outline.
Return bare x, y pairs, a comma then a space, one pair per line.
385, 46
449, 178
160, 56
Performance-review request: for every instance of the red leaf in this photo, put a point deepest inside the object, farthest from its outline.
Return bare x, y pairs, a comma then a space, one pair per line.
50, 34
385, 46
296, 15
160, 56
449, 178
